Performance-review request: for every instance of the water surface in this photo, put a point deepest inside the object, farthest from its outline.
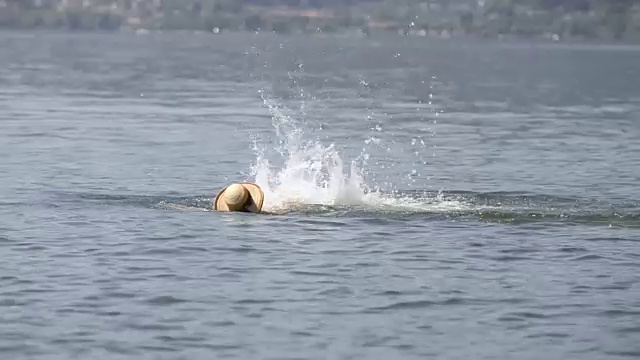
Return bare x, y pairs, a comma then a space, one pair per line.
451, 200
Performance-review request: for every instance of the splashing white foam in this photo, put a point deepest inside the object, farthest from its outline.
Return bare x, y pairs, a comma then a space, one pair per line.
315, 174
312, 173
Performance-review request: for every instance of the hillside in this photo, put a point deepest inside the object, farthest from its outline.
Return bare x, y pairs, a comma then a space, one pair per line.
556, 19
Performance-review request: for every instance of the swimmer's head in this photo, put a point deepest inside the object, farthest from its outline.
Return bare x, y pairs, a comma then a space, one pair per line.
243, 197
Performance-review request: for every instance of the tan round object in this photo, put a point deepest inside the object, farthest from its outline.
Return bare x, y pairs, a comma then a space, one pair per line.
245, 197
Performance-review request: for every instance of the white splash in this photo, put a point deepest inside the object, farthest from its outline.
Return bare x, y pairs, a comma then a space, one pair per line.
312, 173
316, 174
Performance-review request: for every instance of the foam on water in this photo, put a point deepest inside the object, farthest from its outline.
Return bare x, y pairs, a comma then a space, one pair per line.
316, 174
305, 172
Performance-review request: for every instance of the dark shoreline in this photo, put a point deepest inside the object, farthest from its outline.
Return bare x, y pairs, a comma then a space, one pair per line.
600, 21
508, 39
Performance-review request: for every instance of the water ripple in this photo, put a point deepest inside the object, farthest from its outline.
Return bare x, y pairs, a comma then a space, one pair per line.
499, 212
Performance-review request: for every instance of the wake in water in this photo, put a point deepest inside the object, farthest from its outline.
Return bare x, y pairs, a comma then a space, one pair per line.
307, 177
315, 179
315, 174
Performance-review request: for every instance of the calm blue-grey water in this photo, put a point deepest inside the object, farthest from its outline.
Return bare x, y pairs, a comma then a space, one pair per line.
435, 199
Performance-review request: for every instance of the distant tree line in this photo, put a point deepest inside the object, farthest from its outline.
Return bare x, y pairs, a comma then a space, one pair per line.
582, 18
615, 19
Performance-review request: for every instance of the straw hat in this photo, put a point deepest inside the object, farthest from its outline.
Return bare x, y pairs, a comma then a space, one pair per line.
245, 197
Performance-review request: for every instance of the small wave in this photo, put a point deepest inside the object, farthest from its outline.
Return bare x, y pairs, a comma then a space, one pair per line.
501, 208
165, 300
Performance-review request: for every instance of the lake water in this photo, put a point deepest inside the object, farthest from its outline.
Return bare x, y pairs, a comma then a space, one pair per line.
432, 199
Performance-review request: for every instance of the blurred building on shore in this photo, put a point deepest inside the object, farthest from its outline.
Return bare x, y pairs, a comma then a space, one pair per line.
554, 19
